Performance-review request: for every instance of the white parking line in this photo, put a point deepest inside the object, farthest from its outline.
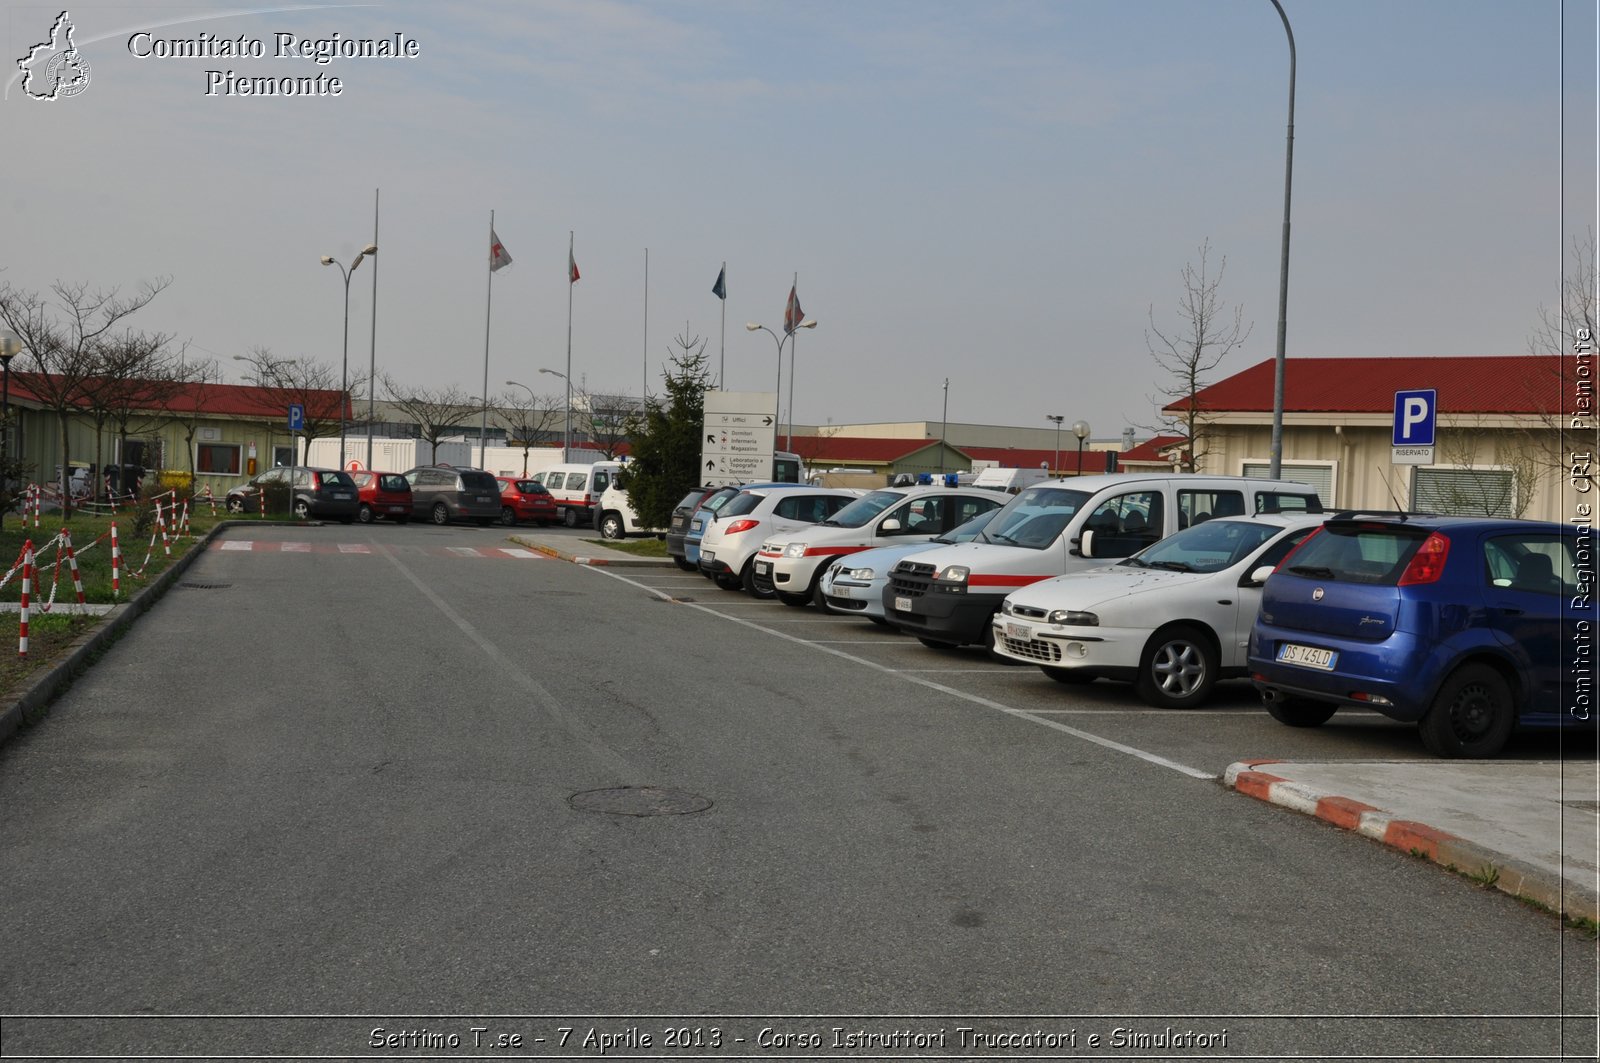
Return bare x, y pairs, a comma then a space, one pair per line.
1021, 714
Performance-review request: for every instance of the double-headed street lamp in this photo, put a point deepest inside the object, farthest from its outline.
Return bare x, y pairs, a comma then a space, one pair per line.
1057, 418
810, 322
1081, 430
532, 401
344, 372
566, 438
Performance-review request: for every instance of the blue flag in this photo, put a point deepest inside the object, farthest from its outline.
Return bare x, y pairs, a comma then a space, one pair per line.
720, 289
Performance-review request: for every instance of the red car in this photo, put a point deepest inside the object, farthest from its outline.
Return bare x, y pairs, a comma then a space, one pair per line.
383, 494
522, 500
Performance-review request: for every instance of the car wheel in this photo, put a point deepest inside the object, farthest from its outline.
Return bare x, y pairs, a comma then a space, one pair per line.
685, 564
749, 582
365, 514
570, 517
302, 509
235, 505
611, 526
441, 513
880, 621
935, 644
507, 516
1070, 676
1471, 716
1300, 712
1178, 668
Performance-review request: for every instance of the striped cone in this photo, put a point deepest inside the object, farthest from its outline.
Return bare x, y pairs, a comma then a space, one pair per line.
27, 591
116, 563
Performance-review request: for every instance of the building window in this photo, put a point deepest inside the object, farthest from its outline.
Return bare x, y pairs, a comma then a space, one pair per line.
223, 459
1464, 492
1319, 474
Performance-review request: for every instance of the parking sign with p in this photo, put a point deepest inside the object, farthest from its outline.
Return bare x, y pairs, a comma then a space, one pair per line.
1414, 415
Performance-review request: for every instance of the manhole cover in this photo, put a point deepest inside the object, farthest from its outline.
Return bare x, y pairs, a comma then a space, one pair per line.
205, 586
639, 801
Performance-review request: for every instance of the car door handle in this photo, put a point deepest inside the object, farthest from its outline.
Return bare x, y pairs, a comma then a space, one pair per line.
1509, 610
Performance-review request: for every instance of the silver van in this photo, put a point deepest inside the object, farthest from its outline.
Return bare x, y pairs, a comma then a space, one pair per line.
443, 493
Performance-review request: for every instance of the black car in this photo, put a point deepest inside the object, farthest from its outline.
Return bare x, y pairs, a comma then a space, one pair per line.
317, 493
682, 513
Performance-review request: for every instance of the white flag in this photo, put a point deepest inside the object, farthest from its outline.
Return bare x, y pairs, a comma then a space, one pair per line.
498, 255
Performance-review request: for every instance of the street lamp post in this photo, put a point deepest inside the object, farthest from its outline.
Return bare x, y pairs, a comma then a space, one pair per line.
532, 399
10, 347
1283, 269
1081, 430
566, 438
810, 322
1058, 418
344, 372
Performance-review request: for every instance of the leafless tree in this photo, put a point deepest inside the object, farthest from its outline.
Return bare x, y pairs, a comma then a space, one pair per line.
1565, 330
438, 412
306, 382
135, 375
185, 405
1207, 332
61, 335
604, 420
528, 418
1507, 490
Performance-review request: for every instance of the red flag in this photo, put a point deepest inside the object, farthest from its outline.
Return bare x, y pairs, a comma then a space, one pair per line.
572, 268
792, 314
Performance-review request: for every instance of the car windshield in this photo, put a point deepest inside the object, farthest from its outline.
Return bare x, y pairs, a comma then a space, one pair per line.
863, 509
969, 531
1035, 517
1358, 552
1209, 547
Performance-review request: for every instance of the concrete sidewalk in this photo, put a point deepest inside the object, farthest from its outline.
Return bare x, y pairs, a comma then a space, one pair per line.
580, 551
1532, 827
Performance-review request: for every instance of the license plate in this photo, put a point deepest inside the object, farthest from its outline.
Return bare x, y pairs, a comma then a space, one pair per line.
708, 555
397, 509
342, 496
1021, 632
1307, 657
764, 568
695, 526
484, 499
902, 604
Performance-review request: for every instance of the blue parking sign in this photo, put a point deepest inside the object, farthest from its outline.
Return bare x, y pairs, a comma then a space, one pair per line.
297, 417
1414, 413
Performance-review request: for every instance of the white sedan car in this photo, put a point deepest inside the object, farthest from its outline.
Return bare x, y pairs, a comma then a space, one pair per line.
853, 585
1173, 618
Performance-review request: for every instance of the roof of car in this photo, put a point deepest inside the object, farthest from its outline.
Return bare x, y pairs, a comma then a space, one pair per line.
1436, 520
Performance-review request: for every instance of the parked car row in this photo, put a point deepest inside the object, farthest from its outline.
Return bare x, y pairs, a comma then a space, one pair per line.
439, 493
1171, 583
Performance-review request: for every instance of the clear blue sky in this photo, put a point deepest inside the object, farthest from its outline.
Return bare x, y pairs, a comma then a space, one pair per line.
996, 192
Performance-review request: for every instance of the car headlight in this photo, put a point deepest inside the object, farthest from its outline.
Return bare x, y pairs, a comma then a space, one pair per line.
1005, 607
864, 574
795, 550
952, 574
1073, 618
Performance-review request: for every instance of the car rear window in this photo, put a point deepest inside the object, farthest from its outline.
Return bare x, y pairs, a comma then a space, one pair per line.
531, 487
718, 499
392, 481
479, 481
1358, 552
690, 499
334, 478
740, 504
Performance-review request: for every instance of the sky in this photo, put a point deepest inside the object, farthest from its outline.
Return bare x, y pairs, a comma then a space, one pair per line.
1000, 194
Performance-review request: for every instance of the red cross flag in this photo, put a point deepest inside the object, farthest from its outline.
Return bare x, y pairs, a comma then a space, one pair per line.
498, 255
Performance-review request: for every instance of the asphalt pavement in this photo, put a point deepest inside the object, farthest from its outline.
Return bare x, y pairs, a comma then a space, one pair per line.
1528, 828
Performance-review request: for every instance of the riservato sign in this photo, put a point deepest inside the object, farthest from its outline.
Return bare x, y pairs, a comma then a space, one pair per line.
318, 50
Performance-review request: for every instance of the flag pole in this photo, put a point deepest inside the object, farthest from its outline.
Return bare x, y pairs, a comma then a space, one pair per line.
566, 448
644, 381
722, 372
483, 426
372, 362
794, 338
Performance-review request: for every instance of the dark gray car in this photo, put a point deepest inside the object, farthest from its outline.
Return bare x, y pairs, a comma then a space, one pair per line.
322, 493
443, 493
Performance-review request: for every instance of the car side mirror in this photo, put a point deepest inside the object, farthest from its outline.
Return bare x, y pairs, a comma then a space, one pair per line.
1086, 543
1260, 574
890, 527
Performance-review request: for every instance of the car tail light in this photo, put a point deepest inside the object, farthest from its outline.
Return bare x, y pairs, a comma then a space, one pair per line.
1297, 548
1427, 564
740, 526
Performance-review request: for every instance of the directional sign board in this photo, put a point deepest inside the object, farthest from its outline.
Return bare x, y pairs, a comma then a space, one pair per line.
297, 417
738, 437
1414, 416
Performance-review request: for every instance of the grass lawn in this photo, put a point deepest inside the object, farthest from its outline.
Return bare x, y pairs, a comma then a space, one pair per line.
638, 547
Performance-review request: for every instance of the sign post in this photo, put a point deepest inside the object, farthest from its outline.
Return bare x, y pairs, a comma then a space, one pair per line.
737, 437
1415, 413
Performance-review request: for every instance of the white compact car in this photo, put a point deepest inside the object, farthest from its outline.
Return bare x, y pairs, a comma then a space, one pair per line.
791, 564
1172, 618
853, 585
735, 532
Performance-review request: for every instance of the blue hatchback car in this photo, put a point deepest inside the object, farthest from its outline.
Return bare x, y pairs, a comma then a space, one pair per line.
1465, 626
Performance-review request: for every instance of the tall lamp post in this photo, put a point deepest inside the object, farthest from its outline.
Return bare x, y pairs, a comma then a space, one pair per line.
344, 373
1058, 418
1081, 430
532, 399
810, 322
1283, 269
566, 438
10, 347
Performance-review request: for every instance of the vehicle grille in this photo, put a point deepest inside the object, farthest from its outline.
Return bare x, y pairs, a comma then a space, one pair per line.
846, 603
1028, 611
911, 580
1033, 649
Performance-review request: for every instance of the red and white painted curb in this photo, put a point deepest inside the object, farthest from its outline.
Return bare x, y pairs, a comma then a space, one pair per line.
1409, 836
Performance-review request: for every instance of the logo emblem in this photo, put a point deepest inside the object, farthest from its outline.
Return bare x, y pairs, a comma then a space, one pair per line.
1316, 595
55, 69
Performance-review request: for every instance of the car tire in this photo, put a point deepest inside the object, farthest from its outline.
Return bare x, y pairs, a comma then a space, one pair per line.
440, 513
727, 581
749, 583
365, 514
235, 505
1471, 716
1177, 669
1300, 712
880, 621
1069, 676
302, 509
611, 527
569, 516
685, 564
508, 516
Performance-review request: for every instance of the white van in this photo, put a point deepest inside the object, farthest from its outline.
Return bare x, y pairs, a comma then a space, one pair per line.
948, 597
1010, 481
577, 488
614, 517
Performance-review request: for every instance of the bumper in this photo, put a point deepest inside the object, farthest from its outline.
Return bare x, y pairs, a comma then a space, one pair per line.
859, 599
1394, 677
1110, 652
956, 618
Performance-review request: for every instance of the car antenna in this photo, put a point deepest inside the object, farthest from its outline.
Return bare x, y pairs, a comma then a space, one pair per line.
1393, 497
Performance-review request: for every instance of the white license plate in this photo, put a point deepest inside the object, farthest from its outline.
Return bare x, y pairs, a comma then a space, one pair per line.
902, 604
695, 526
397, 509
1307, 657
1022, 632
484, 499
709, 555
764, 568
342, 496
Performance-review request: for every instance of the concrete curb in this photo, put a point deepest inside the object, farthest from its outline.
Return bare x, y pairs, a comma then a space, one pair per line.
619, 561
1512, 876
27, 705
